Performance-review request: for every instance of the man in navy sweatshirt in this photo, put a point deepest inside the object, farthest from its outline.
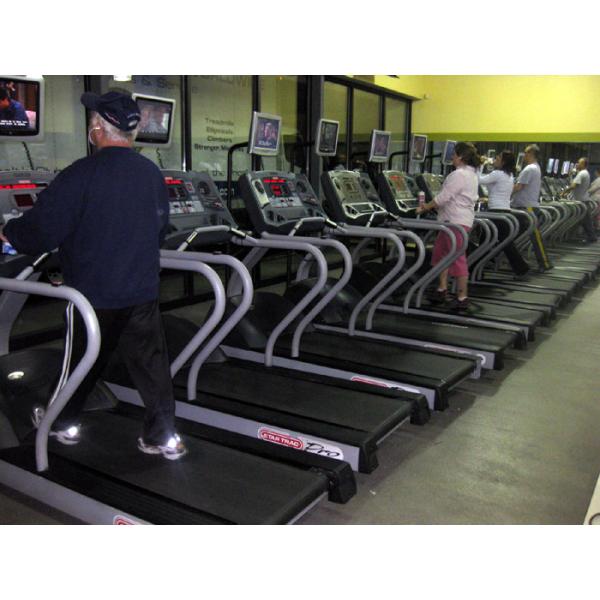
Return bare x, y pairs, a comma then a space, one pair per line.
107, 214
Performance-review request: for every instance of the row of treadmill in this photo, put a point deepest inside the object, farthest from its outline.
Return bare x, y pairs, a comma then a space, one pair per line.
281, 397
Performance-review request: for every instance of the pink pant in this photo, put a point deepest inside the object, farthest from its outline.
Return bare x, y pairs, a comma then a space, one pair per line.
441, 248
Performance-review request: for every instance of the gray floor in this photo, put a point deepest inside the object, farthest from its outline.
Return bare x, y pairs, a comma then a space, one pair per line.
519, 446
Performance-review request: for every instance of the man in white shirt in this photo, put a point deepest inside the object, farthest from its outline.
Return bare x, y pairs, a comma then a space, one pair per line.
526, 195
594, 190
579, 187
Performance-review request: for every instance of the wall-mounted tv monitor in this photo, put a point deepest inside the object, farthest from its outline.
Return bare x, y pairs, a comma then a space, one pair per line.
555, 168
566, 167
491, 153
157, 122
21, 108
520, 158
448, 152
550, 165
327, 137
265, 131
380, 146
418, 148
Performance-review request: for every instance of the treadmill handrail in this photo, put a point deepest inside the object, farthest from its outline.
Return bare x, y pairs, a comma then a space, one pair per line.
420, 246
172, 259
289, 243
513, 225
63, 292
443, 264
330, 295
237, 315
385, 234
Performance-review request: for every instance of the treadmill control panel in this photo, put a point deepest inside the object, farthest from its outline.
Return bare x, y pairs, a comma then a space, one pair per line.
276, 201
431, 184
350, 197
195, 201
395, 192
19, 191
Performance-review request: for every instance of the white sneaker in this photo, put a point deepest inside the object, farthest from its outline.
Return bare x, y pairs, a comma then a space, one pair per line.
68, 437
172, 450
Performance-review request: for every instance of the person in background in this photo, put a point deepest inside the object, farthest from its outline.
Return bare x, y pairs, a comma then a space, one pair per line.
107, 215
526, 195
594, 190
455, 204
579, 187
11, 110
500, 183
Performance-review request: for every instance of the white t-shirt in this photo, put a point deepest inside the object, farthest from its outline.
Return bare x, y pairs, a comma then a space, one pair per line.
531, 178
500, 185
582, 181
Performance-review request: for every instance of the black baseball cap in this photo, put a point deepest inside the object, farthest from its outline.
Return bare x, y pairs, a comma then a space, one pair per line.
119, 109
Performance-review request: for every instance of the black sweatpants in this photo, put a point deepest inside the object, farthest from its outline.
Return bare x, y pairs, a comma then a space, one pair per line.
138, 333
588, 223
517, 263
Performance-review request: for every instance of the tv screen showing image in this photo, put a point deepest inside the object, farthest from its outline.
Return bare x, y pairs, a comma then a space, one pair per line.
448, 152
265, 131
21, 108
418, 148
491, 153
566, 168
380, 145
555, 168
327, 137
156, 124
549, 165
520, 158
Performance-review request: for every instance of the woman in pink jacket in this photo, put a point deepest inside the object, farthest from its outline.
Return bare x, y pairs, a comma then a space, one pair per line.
456, 204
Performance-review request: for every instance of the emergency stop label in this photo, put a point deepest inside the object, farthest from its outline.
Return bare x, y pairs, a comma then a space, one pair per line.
297, 442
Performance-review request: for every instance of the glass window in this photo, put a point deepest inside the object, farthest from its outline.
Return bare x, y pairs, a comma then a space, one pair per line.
365, 118
64, 130
221, 111
396, 116
335, 106
285, 95
166, 86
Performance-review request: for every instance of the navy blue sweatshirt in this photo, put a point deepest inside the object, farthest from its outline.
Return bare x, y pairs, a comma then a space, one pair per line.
107, 214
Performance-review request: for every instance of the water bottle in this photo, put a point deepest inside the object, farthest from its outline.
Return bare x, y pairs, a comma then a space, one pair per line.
421, 198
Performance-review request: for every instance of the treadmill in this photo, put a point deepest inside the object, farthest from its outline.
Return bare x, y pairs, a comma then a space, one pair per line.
315, 413
514, 294
347, 201
480, 312
225, 478
282, 206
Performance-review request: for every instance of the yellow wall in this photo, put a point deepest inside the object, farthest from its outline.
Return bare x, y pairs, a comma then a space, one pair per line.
563, 108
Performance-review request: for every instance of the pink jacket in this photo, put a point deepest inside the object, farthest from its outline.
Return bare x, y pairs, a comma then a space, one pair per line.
456, 202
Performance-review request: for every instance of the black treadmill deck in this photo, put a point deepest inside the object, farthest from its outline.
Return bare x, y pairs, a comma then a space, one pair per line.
212, 484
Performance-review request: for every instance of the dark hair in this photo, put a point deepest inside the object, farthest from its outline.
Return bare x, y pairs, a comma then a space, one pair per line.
508, 162
4, 95
467, 153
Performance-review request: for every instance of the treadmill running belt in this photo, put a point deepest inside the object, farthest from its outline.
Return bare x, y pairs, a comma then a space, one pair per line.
214, 479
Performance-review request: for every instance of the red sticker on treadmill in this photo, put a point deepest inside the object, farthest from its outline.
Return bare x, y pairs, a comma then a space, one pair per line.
368, 381
121, 520
278, 437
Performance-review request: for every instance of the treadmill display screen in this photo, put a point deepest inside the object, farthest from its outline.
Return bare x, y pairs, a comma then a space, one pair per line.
399, 183
24, 200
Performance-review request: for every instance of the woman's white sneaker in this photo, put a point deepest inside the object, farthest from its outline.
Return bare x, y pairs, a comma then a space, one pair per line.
172, 450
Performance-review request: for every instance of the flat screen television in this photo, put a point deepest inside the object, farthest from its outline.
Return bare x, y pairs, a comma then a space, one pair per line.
520, 158
265, 132
555, 168
327, 137
157, 122
566, 167
380, 146
21, 108
550, 166
418, 148
491, 153
448, 152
